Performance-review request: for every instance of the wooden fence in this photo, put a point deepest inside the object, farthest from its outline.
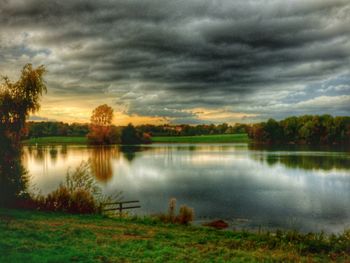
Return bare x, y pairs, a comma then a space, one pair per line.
118, 206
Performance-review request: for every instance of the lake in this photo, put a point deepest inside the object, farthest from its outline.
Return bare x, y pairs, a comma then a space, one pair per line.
251, 187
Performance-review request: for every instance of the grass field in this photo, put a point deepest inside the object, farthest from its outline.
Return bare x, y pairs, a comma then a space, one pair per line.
221, 138
56, 140
27, 236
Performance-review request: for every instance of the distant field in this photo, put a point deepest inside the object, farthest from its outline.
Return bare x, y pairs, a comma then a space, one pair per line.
57, 140
221, 138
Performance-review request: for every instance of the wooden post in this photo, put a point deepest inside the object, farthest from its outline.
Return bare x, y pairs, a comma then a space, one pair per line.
120, 209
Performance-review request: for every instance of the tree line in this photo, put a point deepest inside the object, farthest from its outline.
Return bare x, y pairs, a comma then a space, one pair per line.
51, 128
101, 130
193, 130
307, 129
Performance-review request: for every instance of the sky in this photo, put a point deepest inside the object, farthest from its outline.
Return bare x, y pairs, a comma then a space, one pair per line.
182, 61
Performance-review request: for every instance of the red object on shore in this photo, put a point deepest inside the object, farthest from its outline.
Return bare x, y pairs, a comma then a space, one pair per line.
218, 224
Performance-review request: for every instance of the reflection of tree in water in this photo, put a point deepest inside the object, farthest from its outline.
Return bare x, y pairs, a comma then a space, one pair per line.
129, 151
30, 149
64, 151
308, 162
101, 162
39, 154
13, 179
53, 153
303, 156
298, 148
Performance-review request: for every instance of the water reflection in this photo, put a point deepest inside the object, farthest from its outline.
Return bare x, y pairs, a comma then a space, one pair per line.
63, 151
39, 154
101, 162
13, 177
299, 148
304, 190
129, 151
306, 161
53, 153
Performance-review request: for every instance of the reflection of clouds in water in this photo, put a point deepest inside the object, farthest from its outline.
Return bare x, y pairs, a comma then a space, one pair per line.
47, 173
218, 181
239, 187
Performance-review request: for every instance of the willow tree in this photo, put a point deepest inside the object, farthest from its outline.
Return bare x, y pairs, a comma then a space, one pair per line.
17, 100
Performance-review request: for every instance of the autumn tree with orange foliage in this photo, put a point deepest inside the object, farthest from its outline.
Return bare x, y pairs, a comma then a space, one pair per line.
101, 129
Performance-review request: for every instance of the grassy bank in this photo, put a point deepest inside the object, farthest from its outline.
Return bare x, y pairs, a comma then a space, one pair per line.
27, 236
56, 140
220, 138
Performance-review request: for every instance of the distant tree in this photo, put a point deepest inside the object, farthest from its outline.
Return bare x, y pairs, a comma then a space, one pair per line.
101, 125
221, 128
129, 135
307, 129
239, 128
258, 132
274, 131
102, 116
146, 138
327, 129
342, 129
47, 128
290, 128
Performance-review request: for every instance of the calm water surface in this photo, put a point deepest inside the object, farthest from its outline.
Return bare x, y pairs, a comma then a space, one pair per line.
250, 187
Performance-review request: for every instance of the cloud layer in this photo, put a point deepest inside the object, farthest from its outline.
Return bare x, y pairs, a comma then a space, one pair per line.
184, 61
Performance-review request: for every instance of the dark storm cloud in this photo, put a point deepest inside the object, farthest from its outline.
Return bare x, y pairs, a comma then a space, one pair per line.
254, 57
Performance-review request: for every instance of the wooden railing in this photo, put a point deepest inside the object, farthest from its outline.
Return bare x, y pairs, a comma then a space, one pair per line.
118, 206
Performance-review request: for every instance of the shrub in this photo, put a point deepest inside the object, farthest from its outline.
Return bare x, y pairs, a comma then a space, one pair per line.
146, 138
130, 136
81, 179
82, 202
78, 201
186, 215
58, 200
78, 195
